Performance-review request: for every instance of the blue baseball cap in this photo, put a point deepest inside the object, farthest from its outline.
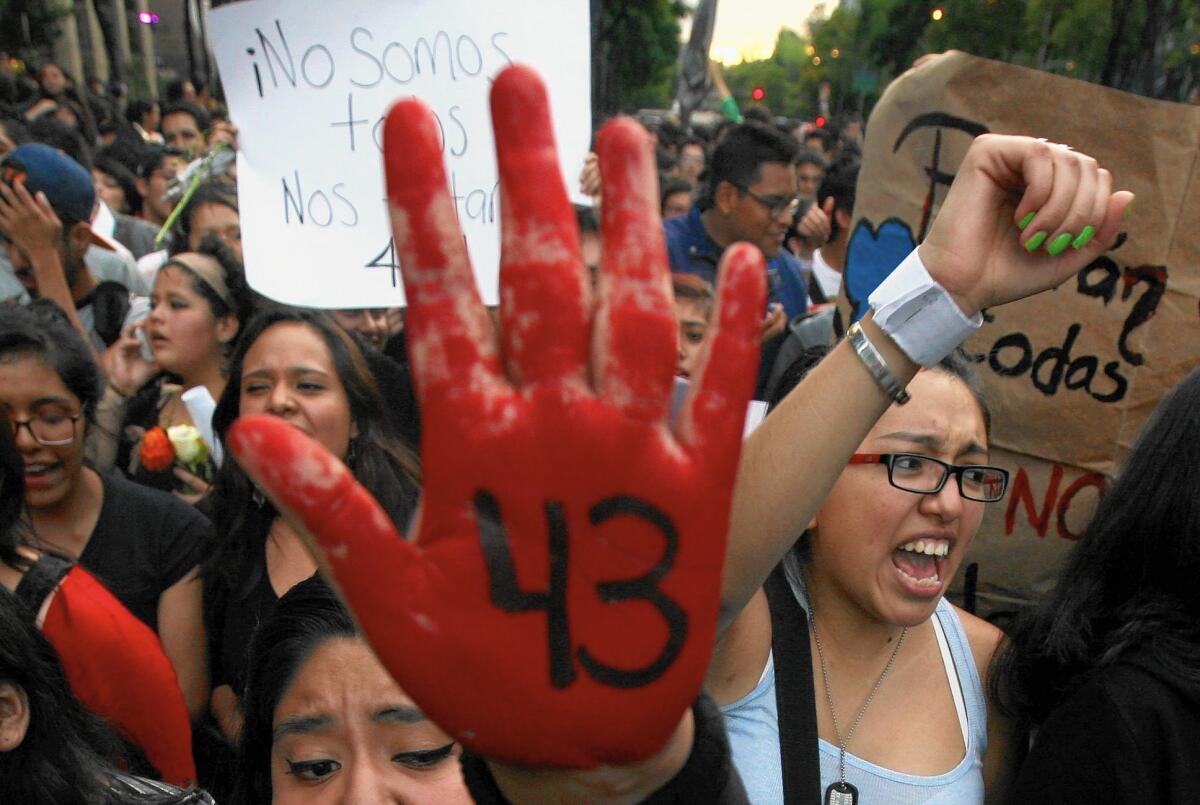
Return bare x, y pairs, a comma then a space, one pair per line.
68, 187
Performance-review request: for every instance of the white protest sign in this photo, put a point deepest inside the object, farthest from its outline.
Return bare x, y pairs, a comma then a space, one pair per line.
308, 84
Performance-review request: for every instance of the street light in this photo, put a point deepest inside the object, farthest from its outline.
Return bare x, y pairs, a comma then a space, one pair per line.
937, 14
816, 61
835, 53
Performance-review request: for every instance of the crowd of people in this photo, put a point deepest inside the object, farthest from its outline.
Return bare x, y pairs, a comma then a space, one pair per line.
178, 626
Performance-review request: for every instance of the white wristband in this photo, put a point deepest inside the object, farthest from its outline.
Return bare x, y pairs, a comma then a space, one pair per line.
918, 313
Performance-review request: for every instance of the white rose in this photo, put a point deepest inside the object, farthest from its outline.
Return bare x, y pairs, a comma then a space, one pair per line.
189, 445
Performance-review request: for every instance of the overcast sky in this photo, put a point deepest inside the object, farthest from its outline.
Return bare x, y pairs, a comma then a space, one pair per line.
746, 29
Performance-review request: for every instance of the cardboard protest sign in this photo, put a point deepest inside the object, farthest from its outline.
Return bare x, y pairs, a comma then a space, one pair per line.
308, 85
1071, 375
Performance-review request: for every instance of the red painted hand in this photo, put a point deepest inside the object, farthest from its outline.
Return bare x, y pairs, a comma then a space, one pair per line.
559, 604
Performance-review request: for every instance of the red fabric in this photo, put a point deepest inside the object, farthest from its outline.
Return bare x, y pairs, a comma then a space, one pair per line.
579, 632
117, 668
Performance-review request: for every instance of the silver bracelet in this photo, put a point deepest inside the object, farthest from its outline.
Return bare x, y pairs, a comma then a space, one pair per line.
876, 365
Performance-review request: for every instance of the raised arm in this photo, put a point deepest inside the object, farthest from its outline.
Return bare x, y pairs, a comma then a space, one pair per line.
979, 253
32, 226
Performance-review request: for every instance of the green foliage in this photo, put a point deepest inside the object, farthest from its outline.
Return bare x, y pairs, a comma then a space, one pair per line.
1151, 47
780, 76
635, 48
28, 28
792, 76
995, 29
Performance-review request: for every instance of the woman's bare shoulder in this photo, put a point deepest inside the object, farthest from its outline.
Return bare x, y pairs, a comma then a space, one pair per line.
983, 637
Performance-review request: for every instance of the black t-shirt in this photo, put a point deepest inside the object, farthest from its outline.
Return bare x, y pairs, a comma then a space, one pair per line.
144, 542
1128, 733
231, 618
394, 377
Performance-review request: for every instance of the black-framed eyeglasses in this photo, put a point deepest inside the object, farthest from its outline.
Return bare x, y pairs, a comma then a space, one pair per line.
776, 205
49, 429
925, 475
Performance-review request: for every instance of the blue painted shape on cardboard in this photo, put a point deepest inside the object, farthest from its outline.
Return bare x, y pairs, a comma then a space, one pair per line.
871, 256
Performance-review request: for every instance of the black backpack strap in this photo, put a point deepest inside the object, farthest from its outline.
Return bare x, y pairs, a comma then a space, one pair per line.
794, 693
41, 579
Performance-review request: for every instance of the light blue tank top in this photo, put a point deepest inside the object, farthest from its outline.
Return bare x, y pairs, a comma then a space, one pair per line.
752, 724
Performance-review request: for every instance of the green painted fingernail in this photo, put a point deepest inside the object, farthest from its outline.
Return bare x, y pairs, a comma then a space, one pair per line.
1025, 221
1085, 237
1035, 242
1059, 244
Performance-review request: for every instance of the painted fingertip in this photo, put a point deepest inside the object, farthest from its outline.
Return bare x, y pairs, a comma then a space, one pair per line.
743, 282
1035, 242
521, 108
1085, 237
1059, 244
412, 151
620, 133
1027, 220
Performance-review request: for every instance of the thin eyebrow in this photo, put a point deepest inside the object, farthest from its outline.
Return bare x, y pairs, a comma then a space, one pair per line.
294, 370
42, 401
300, 725
933, 443
974, 447
401, 714
921, 439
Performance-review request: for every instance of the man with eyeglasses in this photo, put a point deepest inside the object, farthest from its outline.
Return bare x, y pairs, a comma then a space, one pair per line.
750, 195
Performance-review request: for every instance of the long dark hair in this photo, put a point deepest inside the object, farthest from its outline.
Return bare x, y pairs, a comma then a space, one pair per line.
1129, 583
308, 615
143, 406
63, 756
57, 761
380, 461
12, 496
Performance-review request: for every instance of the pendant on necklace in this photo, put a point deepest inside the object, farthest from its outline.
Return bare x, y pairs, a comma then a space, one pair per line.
841, 793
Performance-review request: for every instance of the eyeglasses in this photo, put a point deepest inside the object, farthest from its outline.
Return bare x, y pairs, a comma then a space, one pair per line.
776, 205
925, 475
51, 429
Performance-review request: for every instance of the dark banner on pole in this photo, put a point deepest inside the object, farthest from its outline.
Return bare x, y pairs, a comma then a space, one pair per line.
693, 62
